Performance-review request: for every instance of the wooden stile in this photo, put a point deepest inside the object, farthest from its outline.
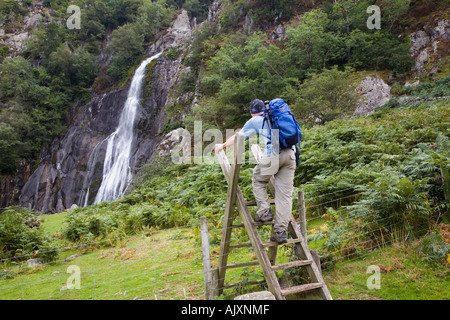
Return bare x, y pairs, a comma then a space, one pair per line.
267, 260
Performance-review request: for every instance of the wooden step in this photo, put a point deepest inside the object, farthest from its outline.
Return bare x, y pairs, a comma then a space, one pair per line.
286, 265
258, 224
265, 244
253, 202
274, 244
301, 288
244, 283
243, 264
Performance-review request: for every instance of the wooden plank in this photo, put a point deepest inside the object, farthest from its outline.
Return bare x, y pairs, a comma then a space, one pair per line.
258, 224
302, 251
291, 264
302, 213
316, 259
240, 245
242, 264
215, 282
301, 288
233, 180
274, 244
206, 258
249, 282
265, 244
253, 202
269, 275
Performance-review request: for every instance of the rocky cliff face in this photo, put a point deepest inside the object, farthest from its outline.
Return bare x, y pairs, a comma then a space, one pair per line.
430, 45
61, 179
15, 37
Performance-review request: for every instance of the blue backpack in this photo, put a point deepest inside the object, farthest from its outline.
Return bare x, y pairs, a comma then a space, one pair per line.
279, 116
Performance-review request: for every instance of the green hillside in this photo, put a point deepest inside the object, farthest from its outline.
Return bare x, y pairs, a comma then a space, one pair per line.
377, 187
389, 214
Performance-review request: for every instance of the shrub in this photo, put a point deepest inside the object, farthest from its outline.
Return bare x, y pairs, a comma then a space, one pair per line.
440, 88
394, 201
433, 248
326, 95
21, 238
127, 45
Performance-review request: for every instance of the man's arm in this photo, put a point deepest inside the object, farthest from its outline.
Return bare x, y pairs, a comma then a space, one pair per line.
228, 143
248, 130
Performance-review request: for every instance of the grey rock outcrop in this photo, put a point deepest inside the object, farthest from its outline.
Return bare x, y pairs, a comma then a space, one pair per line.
419, 40
248, 25
214, 11
16, 38
426, 44
279, 33
374, 92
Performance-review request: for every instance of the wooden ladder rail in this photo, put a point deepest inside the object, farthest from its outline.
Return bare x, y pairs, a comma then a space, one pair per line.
266, 261
234, 196
301, 249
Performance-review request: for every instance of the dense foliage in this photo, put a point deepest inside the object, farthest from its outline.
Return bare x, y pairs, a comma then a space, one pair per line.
331, 39
22, 238
390, 169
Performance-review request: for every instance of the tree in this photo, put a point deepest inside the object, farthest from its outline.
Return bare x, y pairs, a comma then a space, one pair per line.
393, 10
20, 81
126, 45
267, 10
311, 46
378, 50
9, 143
197, 8
153, 17
324, 96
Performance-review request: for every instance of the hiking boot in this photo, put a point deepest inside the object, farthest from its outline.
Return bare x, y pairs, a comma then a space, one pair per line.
279, 237
265, 217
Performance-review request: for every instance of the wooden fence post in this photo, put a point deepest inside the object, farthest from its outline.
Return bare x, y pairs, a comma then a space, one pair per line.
206, 259
302, 213
302, 218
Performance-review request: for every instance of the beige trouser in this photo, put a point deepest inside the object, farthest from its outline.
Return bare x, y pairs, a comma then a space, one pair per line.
283, 170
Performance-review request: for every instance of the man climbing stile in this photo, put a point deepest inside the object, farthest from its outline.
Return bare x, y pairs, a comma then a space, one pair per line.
279, 160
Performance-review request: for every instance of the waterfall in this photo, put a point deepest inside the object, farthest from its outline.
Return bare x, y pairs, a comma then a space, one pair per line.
116, 167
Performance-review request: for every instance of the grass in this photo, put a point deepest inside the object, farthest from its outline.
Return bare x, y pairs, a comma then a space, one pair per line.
141, 267
53, 223
404, 276
167, 265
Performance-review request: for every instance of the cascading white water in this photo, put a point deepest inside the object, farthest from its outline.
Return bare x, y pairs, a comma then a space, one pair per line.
116, 168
